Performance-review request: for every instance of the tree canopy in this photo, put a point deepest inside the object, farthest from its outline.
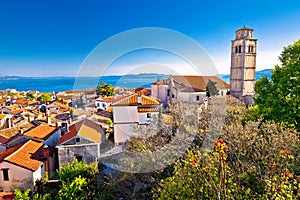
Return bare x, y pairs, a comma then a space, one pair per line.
278, 99
105, 89
44, 97
211, 88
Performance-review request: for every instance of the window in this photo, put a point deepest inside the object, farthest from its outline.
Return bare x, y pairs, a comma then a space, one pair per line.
78, 158
240, 49
5, 174
197, 98
148, 115
236, 49
168, 93
173, 96
77, 140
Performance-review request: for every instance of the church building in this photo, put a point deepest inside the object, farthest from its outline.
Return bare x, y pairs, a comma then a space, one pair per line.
243, 64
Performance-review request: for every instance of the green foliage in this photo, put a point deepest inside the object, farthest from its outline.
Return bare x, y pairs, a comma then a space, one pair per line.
211, 88
78, 180
74, 190
70, 171
105, 89
44, 97
26, 195
278, 99
200, 176
29, 95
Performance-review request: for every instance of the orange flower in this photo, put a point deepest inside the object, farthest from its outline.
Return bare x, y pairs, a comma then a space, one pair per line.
290, 175
195, 161
284, 152
271, 165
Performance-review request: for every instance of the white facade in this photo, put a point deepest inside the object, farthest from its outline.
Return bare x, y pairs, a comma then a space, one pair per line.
127, 119
125, 114
160, 92
194, 97
19, 177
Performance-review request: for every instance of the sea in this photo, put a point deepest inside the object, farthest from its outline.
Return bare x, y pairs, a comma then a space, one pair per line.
50, 84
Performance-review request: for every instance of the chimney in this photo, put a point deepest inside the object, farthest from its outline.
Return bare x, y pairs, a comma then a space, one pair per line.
21, 130
46, 151
46, 155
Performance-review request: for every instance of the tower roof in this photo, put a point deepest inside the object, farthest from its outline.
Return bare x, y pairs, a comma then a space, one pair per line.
244, 28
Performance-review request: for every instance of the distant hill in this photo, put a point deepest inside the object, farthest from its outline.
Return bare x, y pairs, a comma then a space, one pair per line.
259, 74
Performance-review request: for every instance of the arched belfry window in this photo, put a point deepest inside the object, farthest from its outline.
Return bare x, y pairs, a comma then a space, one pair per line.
236, 49
240, 49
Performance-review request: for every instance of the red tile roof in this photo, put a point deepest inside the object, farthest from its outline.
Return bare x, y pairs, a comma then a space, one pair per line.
132, 100
2, 116
75, 129
200, 82
7, 195
41, 132
18, 111
24, 156
196, 83
9, 151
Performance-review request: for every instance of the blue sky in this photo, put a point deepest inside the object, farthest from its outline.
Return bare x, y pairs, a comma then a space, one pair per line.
52, 38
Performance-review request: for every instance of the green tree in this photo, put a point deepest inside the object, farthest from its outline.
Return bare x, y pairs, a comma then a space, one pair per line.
27, 195
29, 95
78, 179
44, 97
105, 89
278, 99
211, 88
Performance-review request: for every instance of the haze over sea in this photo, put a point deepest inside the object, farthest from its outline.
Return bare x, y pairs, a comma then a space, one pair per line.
49, 84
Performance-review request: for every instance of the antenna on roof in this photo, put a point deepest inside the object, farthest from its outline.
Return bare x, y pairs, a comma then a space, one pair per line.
244, 23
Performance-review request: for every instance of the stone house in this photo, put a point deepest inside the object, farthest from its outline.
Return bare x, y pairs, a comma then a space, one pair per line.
81, 142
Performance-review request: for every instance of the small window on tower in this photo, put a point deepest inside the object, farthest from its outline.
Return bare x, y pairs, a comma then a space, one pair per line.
236, 49
240, 49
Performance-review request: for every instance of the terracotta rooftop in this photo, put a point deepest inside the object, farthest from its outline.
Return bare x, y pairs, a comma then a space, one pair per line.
85, 128
21, 101
18, 111
41, 132
133, 100
195, 83
2, 116
9, 151
24, 156
7, 195
144, 91
11, 132
200, 82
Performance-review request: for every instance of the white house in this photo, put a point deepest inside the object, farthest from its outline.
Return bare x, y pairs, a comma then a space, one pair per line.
21, 166
132, 111
102, 103
186, 88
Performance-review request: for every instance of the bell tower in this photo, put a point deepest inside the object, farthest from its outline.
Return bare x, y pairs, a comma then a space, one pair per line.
243, 64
